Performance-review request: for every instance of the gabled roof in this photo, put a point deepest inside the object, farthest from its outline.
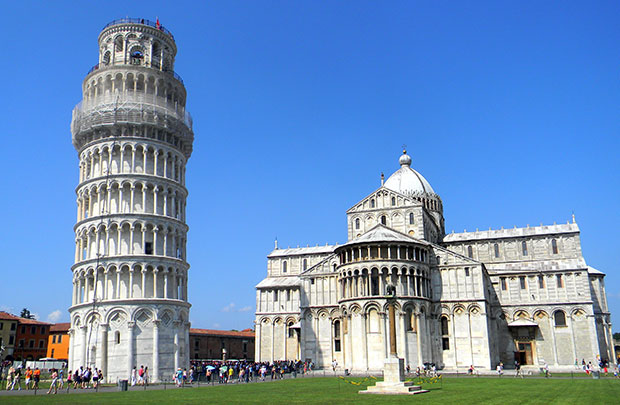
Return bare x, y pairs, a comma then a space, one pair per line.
381, 233
410, 200
592, 270
286, 281
311, 250
522, 322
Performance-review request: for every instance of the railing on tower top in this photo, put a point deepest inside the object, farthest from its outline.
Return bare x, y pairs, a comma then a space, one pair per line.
103, 66
142, 21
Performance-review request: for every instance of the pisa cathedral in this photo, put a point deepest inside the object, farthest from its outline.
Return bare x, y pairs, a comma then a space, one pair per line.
133, 137
472, 298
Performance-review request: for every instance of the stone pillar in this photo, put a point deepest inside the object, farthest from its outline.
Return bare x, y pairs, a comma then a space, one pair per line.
418, 339
84, 330
177, 325
553, 342
155, 371
257, 341
403, 337
104, 348
364, 341
384, 334
392, 315
130, 347
71, 348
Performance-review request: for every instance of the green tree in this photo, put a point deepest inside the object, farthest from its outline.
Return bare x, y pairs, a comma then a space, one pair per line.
26, 314
617, 335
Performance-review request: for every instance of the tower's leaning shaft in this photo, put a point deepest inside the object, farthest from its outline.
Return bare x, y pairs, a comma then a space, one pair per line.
133, 137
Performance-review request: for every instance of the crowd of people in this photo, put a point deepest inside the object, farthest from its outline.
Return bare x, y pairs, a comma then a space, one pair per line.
228, 372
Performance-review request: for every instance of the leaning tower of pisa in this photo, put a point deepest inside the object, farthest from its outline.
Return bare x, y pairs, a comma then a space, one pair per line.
133, 137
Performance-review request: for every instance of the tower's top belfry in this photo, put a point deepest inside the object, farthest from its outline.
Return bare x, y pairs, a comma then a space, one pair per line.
133, 83
137, 41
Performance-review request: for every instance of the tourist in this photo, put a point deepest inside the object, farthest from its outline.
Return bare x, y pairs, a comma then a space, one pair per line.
518, 369
69, 379
95, 377
546, 370
470, 371
179, 377
334, 365
61, 376
36, 376
54, 383
77, 379
141, 375
9, 377
134, 378
500, 369
17, 379
28, 376
146, 375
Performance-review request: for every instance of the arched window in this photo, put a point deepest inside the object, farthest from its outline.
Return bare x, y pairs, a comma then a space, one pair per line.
524, 248
554, 246
383, 220
357, 223
117, 337
496, 249
445, 339
559, 318
470, 252
444, 326
374, 284
305, 264
136, 55
118, 43
106, 58
284, 266
337, 346
393, 201
411, 221
410, 320
372, 203
291, 331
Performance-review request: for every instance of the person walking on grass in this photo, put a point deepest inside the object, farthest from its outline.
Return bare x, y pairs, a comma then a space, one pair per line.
17, 379
54, 383
28, 375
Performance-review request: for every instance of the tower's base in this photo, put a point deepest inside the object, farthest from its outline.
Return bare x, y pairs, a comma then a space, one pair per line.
394, 380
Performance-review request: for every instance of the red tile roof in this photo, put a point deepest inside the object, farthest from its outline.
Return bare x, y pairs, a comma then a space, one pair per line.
60, 327
8, 317
25, 321
249, 333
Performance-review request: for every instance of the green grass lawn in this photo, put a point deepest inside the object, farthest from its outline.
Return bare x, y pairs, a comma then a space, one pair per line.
332, 390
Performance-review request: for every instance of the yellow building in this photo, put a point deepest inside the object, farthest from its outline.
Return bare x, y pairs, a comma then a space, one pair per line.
58, 343
8, 329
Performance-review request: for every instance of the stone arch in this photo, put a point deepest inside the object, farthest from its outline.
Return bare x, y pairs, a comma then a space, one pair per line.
540, 314
520, 314
474, 309
116, 315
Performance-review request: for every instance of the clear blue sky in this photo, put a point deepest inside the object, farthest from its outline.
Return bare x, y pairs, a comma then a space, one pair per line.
509, 109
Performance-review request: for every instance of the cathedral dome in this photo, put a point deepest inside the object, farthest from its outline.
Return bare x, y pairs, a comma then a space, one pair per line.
406, 180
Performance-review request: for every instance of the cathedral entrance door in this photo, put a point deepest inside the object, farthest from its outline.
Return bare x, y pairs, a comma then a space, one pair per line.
524, 353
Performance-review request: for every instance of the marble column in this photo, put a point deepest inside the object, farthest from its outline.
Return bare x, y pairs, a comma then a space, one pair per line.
130, 347
155, 371
104, 348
